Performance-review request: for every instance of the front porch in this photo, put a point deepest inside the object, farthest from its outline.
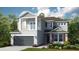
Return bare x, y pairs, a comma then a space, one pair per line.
56, 37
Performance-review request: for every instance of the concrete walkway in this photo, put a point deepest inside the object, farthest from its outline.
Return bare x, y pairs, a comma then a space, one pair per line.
14, 48
19, 48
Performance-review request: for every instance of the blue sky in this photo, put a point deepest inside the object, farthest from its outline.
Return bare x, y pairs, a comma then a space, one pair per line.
65, 12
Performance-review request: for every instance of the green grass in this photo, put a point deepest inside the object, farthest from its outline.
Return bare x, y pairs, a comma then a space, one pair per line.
47, 49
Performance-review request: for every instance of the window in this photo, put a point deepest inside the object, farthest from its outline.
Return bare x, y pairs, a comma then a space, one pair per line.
32, 25
58, 23
55, 37
49, 24
61, 23
60, 37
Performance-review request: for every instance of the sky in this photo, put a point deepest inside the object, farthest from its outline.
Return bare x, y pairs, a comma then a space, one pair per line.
62, 12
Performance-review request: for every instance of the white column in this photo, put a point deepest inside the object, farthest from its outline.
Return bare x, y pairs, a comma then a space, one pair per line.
12, 40
35, 23
50, 37
66, 37
52, 25
58, 37
35, 40
19, 25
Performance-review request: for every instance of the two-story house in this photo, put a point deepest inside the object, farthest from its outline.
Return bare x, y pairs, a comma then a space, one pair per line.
37, 30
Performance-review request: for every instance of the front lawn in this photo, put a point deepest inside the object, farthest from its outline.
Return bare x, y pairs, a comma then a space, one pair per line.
55, 47
47, 49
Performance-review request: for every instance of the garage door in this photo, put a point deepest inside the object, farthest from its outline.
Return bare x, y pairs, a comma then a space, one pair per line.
23, 40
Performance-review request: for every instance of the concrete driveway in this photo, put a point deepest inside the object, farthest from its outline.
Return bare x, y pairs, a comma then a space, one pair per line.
14, 48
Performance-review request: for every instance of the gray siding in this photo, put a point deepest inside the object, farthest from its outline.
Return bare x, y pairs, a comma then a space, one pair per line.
40, 33
40, 37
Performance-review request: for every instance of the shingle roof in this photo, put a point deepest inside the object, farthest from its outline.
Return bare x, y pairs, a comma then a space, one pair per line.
53, 18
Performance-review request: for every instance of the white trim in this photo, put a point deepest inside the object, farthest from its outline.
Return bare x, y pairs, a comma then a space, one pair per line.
12, 40
35, 23
35, 40
66, 37
27, 17
19, 25
24, 12
50, 37
58, 37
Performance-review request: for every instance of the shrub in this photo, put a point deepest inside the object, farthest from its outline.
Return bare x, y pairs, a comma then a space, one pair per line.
77, 46
56, 47
72, 47
65, 47
50, 46
60, 47
58, 44
66, 43
69, 47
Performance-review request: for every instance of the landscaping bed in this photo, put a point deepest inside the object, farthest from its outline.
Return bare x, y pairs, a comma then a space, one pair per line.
55, 47
47, 49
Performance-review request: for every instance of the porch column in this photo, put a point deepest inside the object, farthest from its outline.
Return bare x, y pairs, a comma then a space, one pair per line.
19, 25
66, 37
12, 40
50, 37
35, 23
58, 37
35, 40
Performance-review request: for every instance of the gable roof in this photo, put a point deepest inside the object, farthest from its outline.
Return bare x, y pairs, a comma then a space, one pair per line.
58, 29
26, 14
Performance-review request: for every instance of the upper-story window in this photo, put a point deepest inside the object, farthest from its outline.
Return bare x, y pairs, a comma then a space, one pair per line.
49, 24
32, 25
61, 23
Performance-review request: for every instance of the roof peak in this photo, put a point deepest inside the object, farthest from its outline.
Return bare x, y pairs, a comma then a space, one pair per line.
24, 12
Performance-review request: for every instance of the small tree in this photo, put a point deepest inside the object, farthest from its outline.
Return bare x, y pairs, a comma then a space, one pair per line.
14, 25
4, 31
74, 31
13, 21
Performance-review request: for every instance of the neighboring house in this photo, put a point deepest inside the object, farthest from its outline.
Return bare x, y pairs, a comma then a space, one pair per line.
37, 30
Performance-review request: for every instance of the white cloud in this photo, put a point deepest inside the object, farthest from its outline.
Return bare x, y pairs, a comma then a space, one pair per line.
57, 14
61, 11
73, 15
44, 10
67, 9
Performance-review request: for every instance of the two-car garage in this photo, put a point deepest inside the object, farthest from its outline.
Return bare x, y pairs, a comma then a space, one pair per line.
23, 40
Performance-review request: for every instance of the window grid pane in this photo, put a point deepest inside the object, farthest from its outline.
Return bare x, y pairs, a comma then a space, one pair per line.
55, 37
60, 37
